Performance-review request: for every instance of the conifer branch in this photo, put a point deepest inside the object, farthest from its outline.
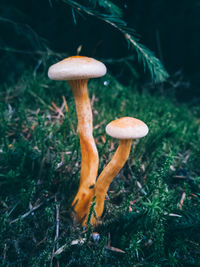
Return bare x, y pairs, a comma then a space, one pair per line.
107, 5
148, 59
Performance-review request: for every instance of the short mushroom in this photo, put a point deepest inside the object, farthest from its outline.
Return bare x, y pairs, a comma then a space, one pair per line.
125, 129
76, 70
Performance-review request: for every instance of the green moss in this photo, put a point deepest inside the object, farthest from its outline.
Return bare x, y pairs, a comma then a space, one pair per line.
40, 167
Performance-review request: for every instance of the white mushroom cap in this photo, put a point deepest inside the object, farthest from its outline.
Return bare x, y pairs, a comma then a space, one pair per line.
76, 68
127, 128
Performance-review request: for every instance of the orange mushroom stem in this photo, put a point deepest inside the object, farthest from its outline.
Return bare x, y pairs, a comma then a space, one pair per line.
108, 174
89, 153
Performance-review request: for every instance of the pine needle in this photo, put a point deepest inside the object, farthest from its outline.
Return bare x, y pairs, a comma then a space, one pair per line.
145, 56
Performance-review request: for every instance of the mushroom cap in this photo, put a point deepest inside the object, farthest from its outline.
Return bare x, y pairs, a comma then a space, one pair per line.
127, 128
76, 68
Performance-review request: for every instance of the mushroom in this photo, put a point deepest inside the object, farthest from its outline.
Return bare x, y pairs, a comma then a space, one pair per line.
125, 129
76, 70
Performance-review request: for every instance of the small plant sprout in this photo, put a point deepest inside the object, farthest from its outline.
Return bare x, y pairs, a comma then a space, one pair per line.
76, 70
125, 129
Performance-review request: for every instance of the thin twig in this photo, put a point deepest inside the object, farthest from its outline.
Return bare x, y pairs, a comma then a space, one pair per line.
57, 221
115, 249
61, 109
182, 200
100, 124
112, 248
73, 243
65, 103
58, 110
31, 210
57, 232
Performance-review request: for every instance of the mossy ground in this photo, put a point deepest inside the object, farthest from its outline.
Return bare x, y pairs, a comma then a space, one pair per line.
145, 223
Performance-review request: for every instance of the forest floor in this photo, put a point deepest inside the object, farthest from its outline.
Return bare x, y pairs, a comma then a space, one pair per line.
152, 213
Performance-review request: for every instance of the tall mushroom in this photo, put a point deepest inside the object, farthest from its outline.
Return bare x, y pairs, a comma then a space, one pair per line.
125, 129
76, 70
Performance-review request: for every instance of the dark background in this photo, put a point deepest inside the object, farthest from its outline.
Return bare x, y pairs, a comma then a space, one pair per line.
32, 32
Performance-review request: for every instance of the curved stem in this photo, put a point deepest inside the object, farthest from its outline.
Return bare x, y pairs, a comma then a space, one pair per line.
89, 153
107, 175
